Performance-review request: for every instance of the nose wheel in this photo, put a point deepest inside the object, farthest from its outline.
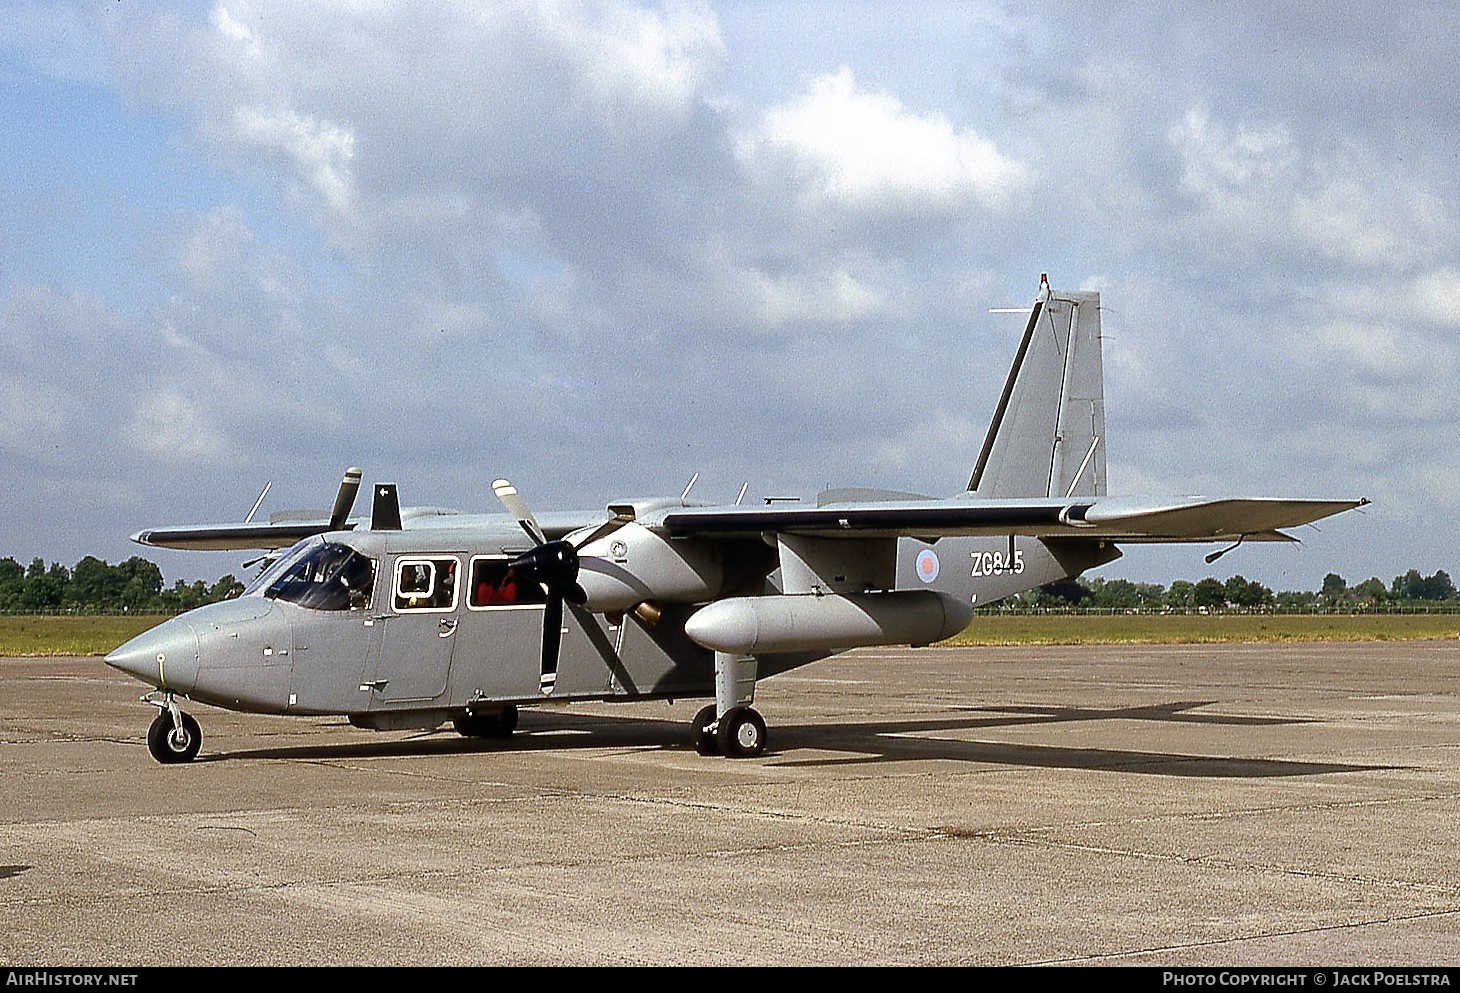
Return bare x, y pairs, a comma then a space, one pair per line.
174, 736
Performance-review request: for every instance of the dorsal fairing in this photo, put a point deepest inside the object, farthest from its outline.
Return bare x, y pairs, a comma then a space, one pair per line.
1047, 436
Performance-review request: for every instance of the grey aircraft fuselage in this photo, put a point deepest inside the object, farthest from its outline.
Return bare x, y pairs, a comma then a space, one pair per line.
390, 660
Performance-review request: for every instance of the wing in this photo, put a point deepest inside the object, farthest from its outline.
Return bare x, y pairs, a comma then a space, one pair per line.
227, 537
282, 531
1180, 519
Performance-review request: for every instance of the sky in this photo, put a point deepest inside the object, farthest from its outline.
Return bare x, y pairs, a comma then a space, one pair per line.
600, 247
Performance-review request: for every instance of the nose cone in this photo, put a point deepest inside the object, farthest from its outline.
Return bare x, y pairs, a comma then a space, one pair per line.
165, 656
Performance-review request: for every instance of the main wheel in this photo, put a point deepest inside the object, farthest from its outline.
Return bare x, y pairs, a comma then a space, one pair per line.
506, 722
741, 734
170, 744
705, 742
498, 725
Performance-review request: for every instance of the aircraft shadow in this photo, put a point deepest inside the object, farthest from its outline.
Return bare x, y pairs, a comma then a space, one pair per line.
535, 733
922, 739
909, 740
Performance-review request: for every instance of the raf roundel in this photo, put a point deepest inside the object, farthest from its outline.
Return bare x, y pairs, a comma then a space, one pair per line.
927, 565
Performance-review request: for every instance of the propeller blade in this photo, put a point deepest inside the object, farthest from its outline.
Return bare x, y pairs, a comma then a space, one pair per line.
552, 638
345, 498
553, 565
517, 507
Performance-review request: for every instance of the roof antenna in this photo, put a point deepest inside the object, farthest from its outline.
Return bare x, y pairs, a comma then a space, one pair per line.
692, 480
743, 487
256, 503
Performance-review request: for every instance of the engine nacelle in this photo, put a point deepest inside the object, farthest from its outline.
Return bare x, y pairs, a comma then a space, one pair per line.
758, 625
634, 564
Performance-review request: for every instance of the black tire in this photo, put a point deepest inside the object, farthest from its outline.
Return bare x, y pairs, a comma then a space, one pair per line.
498, 725
704, 741
741, 734
506, 722
170, 745
471, 725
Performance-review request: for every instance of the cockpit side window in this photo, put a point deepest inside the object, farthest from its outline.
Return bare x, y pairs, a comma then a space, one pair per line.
425, 583
323, 576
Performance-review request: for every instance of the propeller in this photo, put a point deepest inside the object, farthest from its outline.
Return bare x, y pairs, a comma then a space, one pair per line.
339, 515
553, 565
345, 498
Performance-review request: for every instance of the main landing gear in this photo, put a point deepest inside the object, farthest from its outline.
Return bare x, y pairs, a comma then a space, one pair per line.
730, 726
740, 734
174, 736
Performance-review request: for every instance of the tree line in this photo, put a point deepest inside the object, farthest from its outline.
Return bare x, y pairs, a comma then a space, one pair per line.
1238, 593
137, 586
94, 586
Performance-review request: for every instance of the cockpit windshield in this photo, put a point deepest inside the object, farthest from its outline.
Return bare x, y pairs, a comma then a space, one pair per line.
320, 575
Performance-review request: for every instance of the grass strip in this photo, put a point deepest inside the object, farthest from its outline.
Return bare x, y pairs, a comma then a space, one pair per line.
80, 635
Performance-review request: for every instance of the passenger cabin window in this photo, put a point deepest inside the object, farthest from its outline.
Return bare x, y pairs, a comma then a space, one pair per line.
321, 575
425, 584
495, 584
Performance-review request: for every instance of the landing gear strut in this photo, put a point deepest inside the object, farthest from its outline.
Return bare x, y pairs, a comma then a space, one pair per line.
174, 736
738, 732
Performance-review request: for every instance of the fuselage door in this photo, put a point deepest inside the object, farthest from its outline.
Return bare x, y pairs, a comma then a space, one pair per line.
501, 632
418, 632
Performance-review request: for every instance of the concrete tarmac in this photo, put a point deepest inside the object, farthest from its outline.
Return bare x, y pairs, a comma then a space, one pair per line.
1215, 805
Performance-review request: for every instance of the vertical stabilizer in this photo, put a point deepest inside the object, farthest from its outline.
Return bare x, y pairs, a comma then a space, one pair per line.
1047, 437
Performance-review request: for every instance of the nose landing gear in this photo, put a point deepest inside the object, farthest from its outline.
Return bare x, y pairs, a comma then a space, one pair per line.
174, 736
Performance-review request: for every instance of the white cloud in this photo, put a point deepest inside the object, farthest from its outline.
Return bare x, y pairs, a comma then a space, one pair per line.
320, 151
805, 297
227, 26
865, 151
1382, 351
635, 56
1429, 299
1258, 184
170, 426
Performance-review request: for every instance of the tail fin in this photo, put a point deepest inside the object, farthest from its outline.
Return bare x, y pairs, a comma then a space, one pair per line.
1047, 437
